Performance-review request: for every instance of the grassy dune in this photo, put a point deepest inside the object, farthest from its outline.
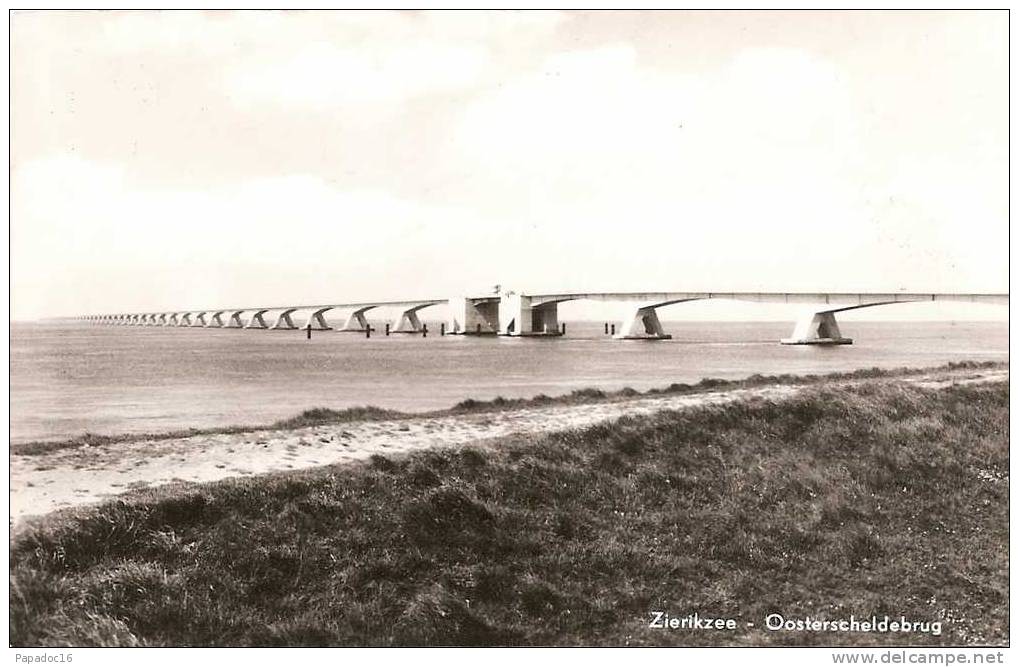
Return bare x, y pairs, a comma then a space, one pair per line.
883, 498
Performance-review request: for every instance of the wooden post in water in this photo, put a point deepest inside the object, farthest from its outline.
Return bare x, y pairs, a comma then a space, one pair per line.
309, 330
613, 329
368, 331
387, 328
564, 328
424, 331
479, 328
606, 328
442, 329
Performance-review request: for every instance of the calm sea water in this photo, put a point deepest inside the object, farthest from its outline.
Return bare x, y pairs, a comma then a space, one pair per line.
71, 379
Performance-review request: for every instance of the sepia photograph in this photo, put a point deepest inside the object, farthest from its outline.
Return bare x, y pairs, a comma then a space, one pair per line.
337, 329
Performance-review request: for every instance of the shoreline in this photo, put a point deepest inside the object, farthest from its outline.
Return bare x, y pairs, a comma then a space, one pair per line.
71, 476
794, 498
321, 416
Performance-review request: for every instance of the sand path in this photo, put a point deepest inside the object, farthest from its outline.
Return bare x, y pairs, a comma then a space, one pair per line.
64, 478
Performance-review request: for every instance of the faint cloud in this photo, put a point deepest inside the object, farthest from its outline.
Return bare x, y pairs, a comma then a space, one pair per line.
323, 75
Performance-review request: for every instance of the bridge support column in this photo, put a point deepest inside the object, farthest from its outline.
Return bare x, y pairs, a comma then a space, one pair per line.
356, 321
642, 324
234, 320
173, 321
407, 322
185, 320
474, 315
200, 320
283, 320
257, 320
216, 320
817, 329
519, 317
317, 321
161, 320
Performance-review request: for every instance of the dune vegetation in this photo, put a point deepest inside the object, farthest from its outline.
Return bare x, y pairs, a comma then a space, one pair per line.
879, 498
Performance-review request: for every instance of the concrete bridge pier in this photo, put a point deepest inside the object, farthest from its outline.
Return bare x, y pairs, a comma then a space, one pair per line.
642, 323
283, 320
234, 320
474, 315
173, 321
408, 321
185, 320
257, 320
317, 321
200, 320
520, 316
818, 328
356, 321
162, 319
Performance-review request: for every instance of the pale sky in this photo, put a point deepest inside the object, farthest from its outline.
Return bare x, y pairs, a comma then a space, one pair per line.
190, 160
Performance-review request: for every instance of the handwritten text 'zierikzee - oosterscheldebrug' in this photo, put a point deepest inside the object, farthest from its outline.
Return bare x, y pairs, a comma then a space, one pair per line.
778, 623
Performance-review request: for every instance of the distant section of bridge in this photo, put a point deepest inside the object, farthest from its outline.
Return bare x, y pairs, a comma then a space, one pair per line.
512, 314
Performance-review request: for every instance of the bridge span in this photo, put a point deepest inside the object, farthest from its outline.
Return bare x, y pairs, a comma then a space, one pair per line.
512, 314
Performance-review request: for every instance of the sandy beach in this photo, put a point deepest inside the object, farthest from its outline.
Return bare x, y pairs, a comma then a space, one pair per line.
64, 478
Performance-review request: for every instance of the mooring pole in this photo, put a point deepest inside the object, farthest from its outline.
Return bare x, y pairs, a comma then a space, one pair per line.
564, 328
308, 327
368, 331
613, 329
424, 331
387, 328
442, 328
606, 328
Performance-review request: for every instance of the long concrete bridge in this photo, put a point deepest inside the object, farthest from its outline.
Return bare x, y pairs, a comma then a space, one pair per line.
512, 314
